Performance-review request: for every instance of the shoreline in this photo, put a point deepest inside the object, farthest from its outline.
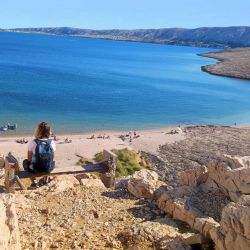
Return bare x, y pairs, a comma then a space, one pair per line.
111, 131
234, 63
13, 134
67, 154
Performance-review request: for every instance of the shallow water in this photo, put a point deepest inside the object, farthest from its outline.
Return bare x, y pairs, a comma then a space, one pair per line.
82, 85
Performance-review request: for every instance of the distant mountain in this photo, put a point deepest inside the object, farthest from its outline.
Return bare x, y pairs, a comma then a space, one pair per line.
220, 37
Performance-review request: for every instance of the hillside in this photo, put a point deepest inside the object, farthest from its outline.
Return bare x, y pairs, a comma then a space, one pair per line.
198, 199
220, 37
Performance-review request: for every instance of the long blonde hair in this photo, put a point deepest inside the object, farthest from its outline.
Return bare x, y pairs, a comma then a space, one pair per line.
42, 131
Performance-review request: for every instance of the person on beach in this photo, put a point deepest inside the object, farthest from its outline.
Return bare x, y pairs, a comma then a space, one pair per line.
41, 152
135, 134
130, 139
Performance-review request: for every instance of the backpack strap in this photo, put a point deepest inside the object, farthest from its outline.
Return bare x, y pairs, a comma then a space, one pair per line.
39, 141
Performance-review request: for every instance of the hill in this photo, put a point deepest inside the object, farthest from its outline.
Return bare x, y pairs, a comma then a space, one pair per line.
220, 37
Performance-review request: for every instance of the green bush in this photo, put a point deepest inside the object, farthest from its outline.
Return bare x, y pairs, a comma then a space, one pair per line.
128, 161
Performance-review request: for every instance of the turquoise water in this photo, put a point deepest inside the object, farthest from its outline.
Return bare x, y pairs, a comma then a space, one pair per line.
81, 85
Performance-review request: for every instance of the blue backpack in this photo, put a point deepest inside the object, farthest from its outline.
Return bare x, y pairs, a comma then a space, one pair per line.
43, 156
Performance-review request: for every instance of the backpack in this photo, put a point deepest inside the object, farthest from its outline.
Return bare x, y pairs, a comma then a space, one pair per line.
43, 156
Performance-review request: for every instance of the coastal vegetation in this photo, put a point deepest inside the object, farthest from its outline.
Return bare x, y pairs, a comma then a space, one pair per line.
128, 161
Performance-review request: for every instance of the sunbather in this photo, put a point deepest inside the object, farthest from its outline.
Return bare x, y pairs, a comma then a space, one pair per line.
91, 137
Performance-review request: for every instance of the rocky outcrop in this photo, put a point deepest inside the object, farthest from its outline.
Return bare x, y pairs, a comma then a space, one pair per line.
9, 236
232, 182
202, 145
143, 183
235, 226
163, 232
228, 180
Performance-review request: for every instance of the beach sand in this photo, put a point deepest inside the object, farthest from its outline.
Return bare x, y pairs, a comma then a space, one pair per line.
67, 154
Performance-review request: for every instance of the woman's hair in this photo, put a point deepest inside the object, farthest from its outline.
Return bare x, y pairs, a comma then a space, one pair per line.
43, 130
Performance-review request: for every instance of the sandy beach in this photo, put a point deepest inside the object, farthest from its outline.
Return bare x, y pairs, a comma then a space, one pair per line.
67, 154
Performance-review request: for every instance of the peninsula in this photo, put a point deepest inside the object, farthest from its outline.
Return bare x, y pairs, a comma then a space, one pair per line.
232, 62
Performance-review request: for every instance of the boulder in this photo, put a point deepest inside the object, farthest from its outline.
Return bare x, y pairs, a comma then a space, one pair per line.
61, 183
235, 226
232, 182
143, 183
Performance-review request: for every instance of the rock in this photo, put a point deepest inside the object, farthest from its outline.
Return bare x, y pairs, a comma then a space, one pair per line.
174, 244
191, 238
9, 236
193, 177
231, 181
92, 183
85, 176
133, 248
157, 229
243, 161
122, 183
235, 226
143, 183
61, 183
244, 200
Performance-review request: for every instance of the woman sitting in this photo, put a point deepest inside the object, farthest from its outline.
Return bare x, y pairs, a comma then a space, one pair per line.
41, 151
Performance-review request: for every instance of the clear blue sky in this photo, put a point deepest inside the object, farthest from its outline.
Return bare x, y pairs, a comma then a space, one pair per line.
124, 14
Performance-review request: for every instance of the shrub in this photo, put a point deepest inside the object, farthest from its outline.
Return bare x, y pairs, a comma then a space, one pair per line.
128, 161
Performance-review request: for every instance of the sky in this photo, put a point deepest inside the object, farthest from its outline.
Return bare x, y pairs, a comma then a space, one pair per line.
124, 14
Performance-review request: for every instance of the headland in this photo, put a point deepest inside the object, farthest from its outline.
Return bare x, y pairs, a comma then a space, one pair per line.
232, 63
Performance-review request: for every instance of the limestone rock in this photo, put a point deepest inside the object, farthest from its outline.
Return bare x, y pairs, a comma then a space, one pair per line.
89, 180
85, 176
122, 183
244, 161
9, 236
61, 183
174, 244
191, 238
235, 226
231, 181
143, 183
194, 177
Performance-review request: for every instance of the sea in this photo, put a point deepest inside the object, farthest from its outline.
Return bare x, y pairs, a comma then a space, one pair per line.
84, 85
